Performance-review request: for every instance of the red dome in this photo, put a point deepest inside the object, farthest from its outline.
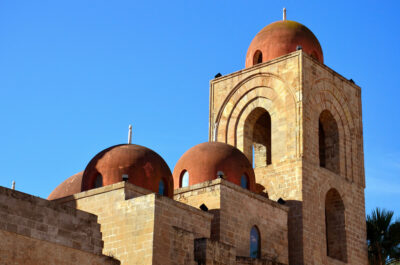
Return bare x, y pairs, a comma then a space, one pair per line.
280, 38
204, 162
142, 166
70, 186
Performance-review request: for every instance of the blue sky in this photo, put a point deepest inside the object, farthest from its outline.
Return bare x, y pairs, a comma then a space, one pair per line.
75, 74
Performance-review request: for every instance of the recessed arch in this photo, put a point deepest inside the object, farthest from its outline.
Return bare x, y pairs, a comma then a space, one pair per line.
262, 85
257, 137
335, 226
259, 90
325, 94
328, 135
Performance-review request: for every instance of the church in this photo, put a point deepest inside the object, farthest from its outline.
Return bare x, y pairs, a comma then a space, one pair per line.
281, 180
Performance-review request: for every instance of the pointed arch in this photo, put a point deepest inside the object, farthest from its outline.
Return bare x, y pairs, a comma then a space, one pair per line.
335, 226
328, 134
257, 137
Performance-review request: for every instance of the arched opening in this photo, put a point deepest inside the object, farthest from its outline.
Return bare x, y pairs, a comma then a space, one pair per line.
184, 180
335, 226
161, 188
255, 243
244, 181
99, 181
257, 138
257, 57
328, 135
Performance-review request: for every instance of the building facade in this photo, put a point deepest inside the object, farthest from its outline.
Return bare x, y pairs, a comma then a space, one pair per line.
281, 180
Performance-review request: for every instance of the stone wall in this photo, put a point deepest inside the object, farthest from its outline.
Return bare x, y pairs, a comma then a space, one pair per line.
140, 227
18, 249
295, 89
177, 227
211, 252
236, 211
31, 226
325, 90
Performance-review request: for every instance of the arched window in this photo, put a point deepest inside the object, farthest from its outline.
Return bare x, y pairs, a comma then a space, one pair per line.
184, 181
257, 57
257, 137
244, 182
161, 187
328, 135
335, 226
99, 181
255, 243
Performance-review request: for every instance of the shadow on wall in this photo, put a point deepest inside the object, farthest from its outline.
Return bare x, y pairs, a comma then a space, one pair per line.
295, 232
215, 229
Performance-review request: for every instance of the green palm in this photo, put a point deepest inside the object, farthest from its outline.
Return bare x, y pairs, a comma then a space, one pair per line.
383, 237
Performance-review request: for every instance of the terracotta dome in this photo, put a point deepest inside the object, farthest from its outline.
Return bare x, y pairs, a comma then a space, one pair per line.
70, 186
142, 166
280, 38
204, 162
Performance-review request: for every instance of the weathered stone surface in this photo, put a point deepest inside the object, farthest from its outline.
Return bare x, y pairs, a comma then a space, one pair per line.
236, 211
16, 249
36, 231
140, 227
295, 89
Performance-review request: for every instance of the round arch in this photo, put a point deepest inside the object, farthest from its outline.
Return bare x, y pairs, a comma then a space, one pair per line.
324, 95
260, 90
335, 226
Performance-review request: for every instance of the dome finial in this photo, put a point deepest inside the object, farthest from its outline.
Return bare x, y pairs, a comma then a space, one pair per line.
130, 134
284, 13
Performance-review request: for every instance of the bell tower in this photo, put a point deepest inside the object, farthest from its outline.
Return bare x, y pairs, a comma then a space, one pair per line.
300, 124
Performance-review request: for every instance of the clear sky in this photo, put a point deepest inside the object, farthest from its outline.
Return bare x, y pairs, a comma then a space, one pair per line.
74, 74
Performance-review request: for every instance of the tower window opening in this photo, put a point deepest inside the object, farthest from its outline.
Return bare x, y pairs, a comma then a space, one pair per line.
257, 57
99, 181
184, 181
335, 226
255, 244
257, 138
244, 182
328, 135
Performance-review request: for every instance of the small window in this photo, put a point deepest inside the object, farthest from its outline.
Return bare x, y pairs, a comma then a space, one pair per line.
184, 179
257, 57
99, 181
255, 244
244, 182
161, 187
